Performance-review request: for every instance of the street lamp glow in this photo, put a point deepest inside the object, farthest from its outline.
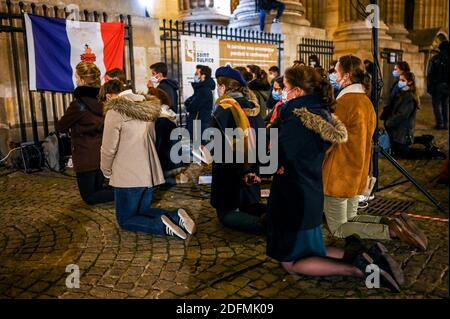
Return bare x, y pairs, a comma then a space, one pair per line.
145, 3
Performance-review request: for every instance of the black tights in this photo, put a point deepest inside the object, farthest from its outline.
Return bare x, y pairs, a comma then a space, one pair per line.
91, 188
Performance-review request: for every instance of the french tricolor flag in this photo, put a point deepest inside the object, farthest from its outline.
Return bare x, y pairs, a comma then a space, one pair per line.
56, 46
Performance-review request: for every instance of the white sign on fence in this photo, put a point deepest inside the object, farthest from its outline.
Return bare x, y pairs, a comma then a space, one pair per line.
195, 51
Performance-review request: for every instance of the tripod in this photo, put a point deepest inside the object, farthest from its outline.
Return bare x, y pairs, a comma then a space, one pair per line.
377, 86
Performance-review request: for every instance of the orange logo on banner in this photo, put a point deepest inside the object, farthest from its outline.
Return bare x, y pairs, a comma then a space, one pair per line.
88, 56
189, 53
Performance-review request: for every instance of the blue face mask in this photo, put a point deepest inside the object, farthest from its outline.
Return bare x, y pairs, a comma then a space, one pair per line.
395, 74
276, 96
333, 81
196, 79
402, 85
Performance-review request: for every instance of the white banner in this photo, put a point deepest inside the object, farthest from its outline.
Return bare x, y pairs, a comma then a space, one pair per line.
195, 51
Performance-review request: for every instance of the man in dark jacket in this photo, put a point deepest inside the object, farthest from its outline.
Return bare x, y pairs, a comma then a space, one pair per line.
438, 85
159, 79
264, 7
200, 104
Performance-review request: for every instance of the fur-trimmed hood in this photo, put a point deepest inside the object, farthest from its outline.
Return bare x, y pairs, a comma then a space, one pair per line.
148, 110
334, 132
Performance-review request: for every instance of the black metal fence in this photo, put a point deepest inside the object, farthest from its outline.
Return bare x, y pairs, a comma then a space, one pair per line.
323, 49
51, 104
170, 43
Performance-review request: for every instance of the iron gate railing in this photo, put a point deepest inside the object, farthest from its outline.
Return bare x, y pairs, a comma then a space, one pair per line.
12, 22
323, 49
170, 43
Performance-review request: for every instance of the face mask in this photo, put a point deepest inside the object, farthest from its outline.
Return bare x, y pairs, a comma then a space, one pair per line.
196, 79
154, 80
402, 85
333, 81
395, 74
312, 63
276, 96
284, 96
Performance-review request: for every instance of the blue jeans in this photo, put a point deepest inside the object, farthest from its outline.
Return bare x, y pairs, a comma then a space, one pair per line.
275, 5
134, 211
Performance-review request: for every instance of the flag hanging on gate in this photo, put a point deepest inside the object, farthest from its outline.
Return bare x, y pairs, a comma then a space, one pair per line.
56, 46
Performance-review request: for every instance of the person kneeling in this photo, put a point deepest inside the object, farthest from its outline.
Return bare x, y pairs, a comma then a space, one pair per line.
130, 160
235, 189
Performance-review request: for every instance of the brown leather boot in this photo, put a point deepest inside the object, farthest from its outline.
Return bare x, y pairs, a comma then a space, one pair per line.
414, 228
405, 234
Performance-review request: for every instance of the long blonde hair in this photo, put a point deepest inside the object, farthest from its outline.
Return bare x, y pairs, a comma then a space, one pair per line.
89, 73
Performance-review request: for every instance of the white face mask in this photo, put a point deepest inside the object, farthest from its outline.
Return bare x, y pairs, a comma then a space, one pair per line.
284, 95
154, 80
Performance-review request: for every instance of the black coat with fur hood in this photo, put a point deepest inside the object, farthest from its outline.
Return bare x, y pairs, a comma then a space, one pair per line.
307, 130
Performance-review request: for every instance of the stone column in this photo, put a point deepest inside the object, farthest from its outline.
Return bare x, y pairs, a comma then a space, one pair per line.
293, 26
353, 35
202, 11
246, 15
315, 11
393, 13
430, 14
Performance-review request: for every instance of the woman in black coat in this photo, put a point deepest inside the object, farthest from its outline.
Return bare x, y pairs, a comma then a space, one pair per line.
400, 123
399, 69
295, 212
235, 189
84, 120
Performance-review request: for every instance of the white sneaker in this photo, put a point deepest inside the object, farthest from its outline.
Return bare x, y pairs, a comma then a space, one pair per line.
172, 229
186, 222
364, 199
276, 21
70, 163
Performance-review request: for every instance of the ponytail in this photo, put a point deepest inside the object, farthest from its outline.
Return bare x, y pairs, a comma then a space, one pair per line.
327, 93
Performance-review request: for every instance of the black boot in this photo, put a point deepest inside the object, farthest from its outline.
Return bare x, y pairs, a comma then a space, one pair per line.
382, 259
435, 152
425, 140
386, 280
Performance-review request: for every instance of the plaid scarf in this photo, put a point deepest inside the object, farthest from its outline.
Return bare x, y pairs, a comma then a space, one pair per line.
242, 122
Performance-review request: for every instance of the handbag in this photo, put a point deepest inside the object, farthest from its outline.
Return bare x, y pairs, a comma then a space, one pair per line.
384, 141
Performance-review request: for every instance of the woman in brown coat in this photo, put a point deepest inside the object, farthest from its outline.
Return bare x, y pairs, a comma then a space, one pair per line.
84, 120
130, 160
347, 165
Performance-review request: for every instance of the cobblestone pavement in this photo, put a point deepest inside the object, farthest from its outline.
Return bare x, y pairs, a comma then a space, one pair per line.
44, 226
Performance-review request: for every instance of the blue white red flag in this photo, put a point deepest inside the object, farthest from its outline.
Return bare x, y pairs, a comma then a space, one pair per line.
56, 46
